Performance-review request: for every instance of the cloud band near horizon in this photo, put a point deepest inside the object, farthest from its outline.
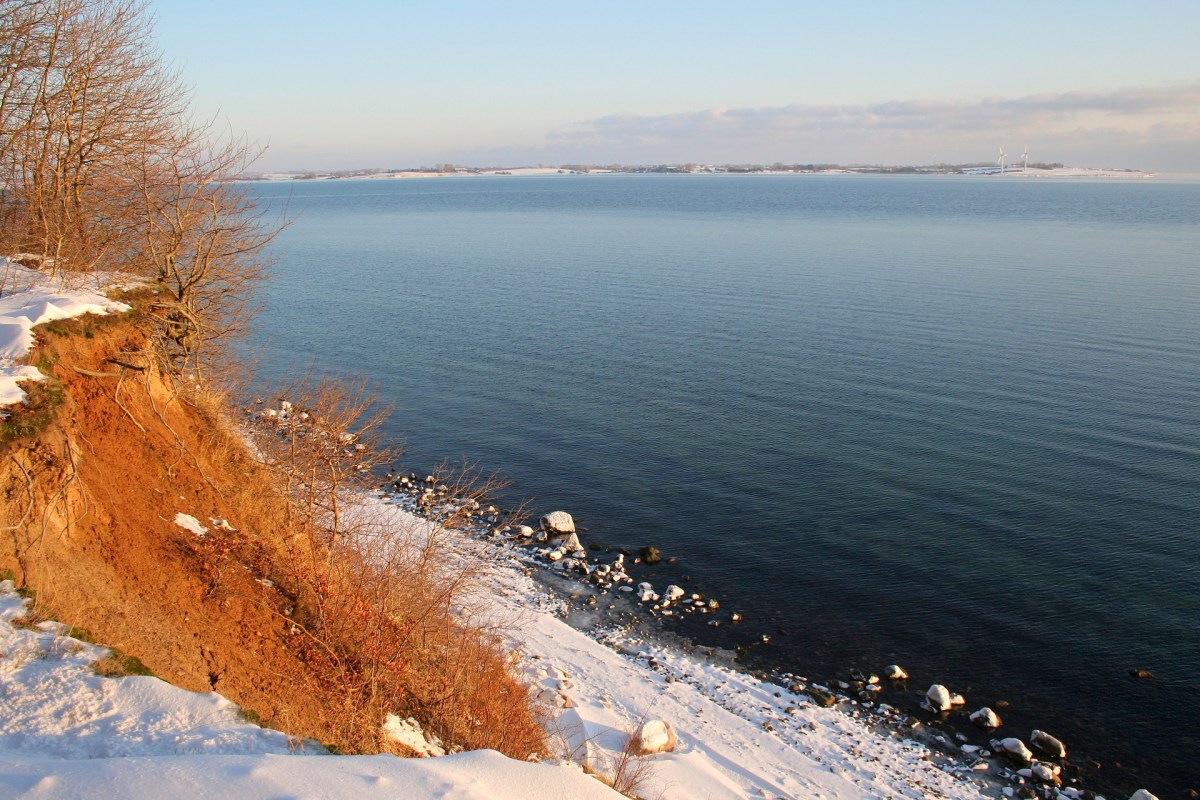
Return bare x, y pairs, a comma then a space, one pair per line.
1131, 119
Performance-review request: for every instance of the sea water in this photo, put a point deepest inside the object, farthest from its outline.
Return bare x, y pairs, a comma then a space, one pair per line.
948, 422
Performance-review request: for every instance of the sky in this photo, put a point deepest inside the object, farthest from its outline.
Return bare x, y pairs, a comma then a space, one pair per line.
349, 84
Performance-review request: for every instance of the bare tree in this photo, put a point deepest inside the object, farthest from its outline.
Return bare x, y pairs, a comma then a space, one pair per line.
203, 241
100, 167
87, 88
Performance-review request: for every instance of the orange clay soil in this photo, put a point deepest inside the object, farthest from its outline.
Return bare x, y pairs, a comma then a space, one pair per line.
87, 520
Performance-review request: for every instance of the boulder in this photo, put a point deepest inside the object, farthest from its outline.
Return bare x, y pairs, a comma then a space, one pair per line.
957, 700
1142, 794
672, 594
555, 699
558, 523
1017, 749
986, 718
571, 543
525, 531
654, 736
895, 672
1048, 744
822, 698
937, 697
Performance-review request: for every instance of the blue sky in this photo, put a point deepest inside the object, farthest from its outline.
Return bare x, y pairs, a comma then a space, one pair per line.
350, 84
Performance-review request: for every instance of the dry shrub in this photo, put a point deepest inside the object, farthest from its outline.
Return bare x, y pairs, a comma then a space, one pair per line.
630, 773
625, 770
377, 602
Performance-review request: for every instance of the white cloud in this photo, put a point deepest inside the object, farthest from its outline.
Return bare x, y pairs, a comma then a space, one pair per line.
1127, 123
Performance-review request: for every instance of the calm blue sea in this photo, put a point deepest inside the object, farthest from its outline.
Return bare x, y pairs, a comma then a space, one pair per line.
949, 422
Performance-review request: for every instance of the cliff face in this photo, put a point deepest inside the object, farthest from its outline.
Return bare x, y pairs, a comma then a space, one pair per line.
88, 504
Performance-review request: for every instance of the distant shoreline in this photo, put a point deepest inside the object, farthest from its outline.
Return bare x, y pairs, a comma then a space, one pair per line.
966, 172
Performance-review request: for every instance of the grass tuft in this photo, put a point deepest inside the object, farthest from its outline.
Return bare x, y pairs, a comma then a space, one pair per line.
119, 665
35, 413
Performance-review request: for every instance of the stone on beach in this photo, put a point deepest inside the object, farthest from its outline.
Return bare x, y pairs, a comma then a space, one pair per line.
571, 543
895, 672
986, 718
938, 697
1017, 749
558, 523
1142, 794
654, 736
1048, 744
1044, 773
646, 593
672, 594
651, 555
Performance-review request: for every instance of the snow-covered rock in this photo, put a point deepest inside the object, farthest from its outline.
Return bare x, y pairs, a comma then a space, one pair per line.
1142, 794
1044, 773
571, 543
895, 672
937, 697
673, 593
1048, 744
986, 718
654, 736
1017, 749
558, 523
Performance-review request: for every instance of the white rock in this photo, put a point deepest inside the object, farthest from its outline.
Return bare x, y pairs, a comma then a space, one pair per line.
895, 672
555, 699
555, 555
1142, 794
938, 697
1043, 773
673, 593
571, 543
558, 522
957, 700
654, 736
525, 531
646, 593
1016, 748
1048, 744
986, 718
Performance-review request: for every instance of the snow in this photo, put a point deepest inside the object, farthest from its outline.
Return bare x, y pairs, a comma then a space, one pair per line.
190, 524
738, 736
66, 732
29, 298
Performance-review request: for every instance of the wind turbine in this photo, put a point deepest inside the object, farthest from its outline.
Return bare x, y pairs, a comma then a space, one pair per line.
1025, 160
1000, 160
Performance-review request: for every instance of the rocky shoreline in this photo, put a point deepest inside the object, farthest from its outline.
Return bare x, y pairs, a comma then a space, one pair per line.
603, 579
